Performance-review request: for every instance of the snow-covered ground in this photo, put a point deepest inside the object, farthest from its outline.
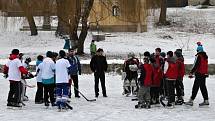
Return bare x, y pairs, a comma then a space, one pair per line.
186, 20
114, 108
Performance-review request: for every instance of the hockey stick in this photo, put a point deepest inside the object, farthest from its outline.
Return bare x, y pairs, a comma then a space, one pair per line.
26, 85
134, 99
162, 98
30, 86
90, 100
69, 106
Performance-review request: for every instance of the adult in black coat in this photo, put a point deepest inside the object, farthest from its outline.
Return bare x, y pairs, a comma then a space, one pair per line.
98, 65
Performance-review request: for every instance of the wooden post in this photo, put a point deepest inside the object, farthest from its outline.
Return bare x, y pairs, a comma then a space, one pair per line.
46, 21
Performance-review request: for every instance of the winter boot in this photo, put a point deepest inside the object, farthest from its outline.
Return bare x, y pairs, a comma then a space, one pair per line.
46, 104
53, 104
170, 105
10, 104
25, 98
204, 103
17, 105
147, 106
190, 102
179, 101
140, 105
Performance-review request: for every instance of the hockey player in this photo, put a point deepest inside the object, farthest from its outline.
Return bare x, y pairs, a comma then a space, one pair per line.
145, 82
39, 94
24, 83
158, 75
62, 80
179, 81
200, 69
14, 69
75, 70
171, 74
47, 68
131, 68
163, 86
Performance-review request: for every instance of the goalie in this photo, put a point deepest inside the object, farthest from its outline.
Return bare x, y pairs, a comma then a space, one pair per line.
130, 69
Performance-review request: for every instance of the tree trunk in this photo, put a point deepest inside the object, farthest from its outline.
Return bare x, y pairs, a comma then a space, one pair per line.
84, 29
162, 19
82, 37
0, 5
62, 27
74, 23
27, 12
206, 2
32, 25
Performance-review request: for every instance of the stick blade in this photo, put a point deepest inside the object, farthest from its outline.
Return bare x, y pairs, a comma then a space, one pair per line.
92, 100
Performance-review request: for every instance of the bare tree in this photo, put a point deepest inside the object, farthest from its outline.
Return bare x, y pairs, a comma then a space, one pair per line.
75, 12
26, 7
162, 19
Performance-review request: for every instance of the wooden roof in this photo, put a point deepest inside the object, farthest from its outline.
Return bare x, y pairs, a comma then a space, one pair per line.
12, 8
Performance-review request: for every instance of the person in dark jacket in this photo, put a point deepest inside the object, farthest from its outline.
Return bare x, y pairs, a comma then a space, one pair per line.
179, 81
74, 71
200, 69
98, 65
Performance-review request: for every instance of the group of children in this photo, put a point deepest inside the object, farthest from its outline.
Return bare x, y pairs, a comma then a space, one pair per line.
161, 77
53, 73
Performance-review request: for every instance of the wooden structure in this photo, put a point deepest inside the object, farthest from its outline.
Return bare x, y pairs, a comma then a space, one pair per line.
11, 8
199, 2
119, 15
106, 15
177, 3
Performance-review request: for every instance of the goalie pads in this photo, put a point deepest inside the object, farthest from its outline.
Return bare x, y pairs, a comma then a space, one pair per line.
133, 67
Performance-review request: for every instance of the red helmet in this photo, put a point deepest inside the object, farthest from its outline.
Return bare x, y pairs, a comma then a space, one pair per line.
199, 43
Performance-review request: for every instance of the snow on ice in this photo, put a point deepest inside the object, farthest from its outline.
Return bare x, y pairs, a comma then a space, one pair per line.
115, 107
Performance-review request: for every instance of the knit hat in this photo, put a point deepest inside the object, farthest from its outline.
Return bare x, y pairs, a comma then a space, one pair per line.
199, 43
131, 54
170, 53
62, 53
178, 53
15, 52
158, 49
200, 49
49, 54
163, 54
147, 54
28, 59
100, 50
40, 57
